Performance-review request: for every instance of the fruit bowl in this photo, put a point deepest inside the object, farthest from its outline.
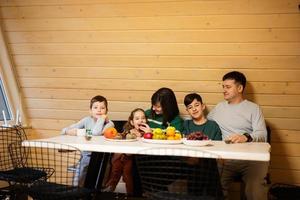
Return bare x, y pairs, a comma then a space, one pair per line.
152, 141
120, 140
198, 143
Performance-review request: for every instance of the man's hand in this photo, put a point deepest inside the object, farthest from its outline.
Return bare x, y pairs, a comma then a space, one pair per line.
237, 138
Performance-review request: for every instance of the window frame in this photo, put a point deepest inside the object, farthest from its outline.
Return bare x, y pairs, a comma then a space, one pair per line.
10, 82
7, 104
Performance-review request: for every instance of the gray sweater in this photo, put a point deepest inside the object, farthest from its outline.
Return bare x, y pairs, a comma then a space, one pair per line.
97, 127
245, 117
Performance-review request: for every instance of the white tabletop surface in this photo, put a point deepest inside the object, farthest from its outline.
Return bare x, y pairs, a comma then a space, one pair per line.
243, 151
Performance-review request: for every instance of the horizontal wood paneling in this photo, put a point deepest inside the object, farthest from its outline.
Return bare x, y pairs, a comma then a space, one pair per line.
42, 133
69, 2
133, 85
156, 23
265, 6
51, 124
157, 73
158, 36
285, 149
67, 51
144, 96
111, 9
276, 123
285, 162
168, 49
285, 136
285, 176
200, 62
128, 106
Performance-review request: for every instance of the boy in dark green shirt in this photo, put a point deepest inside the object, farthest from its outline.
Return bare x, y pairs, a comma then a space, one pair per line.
195, 108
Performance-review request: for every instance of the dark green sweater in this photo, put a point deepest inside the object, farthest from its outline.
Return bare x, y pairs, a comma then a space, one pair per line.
156, 121
209, 128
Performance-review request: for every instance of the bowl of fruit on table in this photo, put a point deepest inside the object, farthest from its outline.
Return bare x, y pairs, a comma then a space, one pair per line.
159, 136
111, 134
197, 138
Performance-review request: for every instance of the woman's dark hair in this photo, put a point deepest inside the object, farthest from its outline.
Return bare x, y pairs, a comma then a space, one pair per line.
238, 77
128, 126
188, 99
168, 102
98, 98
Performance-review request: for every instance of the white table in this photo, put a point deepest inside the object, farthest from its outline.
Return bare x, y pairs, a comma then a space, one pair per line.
101, 148
244, 151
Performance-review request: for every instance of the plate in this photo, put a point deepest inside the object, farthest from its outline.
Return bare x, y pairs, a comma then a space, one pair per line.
198, 143
161, 141
120, 140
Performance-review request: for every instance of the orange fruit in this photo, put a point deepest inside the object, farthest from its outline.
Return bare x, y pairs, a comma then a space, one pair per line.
110, 132
177, 136
170, 131
170, 138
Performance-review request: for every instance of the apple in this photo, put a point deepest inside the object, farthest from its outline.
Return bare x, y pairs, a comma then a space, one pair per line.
148, 135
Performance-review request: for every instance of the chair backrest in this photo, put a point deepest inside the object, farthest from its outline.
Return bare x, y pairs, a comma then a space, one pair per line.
9, 135
59, 161
269, 131
180, 177
119, 125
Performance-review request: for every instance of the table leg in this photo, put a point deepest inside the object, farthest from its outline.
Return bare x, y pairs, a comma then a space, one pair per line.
96, 170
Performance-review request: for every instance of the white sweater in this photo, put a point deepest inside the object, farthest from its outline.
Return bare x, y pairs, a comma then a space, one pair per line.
245, 117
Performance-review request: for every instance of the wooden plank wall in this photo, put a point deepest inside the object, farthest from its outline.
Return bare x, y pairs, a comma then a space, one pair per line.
66, 51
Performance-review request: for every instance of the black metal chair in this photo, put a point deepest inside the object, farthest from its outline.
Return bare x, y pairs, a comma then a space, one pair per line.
180, 178
57, 160
17, 177
282, 191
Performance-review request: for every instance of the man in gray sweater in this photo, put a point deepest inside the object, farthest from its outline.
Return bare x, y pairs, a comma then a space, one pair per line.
241, 121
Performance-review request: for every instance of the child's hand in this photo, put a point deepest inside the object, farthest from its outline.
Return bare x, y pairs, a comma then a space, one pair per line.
145, 128
101, 117
72, 132
105, 117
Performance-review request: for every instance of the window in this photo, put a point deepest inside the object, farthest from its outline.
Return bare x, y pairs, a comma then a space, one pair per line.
4, 105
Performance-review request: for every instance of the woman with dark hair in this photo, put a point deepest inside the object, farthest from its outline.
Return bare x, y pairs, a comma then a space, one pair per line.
164, 111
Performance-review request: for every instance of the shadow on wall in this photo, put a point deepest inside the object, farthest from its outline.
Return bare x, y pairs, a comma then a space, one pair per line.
249, 92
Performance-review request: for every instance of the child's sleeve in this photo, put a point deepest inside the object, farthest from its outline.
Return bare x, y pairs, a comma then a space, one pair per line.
185, 127
218, 132
109, 124
77, 125
101, 126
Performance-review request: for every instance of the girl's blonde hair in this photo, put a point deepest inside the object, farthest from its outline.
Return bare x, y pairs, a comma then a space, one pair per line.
128, 126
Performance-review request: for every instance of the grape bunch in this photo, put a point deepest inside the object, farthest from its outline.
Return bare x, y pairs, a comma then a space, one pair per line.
198, 135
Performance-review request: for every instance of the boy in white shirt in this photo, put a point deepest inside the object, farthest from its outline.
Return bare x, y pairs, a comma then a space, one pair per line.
97, 122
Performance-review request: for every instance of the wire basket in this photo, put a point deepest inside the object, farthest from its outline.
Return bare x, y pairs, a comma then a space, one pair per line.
179, 177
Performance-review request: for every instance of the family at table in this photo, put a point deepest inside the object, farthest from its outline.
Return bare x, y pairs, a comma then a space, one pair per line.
235, 120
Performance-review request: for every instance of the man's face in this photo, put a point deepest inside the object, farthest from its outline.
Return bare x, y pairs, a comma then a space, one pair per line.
195, 109
232, 90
